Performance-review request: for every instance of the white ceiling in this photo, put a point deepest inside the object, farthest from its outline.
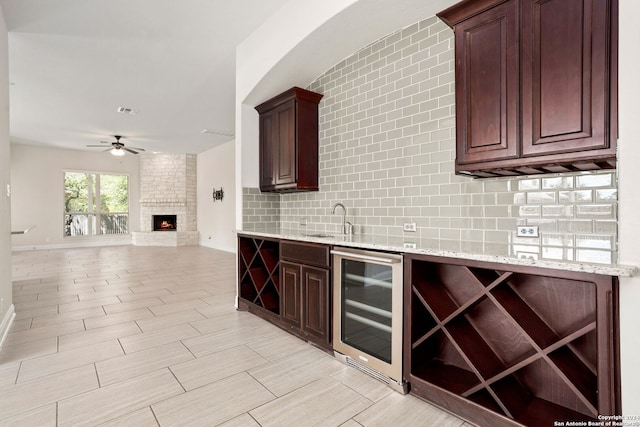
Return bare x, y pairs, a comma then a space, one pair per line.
72, 63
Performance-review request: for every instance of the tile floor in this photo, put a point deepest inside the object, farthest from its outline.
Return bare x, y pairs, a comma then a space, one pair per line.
140, 336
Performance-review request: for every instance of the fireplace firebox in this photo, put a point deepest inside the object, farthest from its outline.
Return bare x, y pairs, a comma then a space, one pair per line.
164, 223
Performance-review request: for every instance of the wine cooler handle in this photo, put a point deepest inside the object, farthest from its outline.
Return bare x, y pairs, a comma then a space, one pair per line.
361, 257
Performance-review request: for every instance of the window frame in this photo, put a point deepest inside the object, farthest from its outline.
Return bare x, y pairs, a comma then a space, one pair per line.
94, 200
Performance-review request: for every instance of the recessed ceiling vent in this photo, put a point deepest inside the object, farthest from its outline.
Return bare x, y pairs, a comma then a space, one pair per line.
127, 110
216, 132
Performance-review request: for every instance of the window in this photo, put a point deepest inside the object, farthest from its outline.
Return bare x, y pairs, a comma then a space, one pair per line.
95, 204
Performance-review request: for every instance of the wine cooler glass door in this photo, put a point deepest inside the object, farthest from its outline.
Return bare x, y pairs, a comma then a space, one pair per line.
369, 310
366, 307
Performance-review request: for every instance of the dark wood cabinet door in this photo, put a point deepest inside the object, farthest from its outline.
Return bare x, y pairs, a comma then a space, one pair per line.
565, 76
316, 312
290, 279
268, 148
289, 141
285, 164
536, 85
487, 85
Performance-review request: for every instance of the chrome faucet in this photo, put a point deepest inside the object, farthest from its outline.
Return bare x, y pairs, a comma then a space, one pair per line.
344, 214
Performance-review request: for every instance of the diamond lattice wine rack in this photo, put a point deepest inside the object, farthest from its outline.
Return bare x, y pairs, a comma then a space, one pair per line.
259, 272
511, 345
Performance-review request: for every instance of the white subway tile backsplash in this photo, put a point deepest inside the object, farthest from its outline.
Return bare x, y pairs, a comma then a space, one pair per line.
529, 184
577, 196
595, 180
387, 151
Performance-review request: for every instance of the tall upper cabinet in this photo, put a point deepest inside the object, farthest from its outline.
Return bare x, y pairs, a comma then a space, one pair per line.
536, 85
289, 141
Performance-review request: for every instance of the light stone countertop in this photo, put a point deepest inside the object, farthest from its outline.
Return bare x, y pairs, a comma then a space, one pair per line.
467, 250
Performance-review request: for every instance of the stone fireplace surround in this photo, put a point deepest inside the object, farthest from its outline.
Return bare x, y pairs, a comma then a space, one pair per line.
167, 187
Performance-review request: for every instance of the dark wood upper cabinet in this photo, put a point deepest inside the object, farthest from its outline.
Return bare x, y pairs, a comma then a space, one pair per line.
487, 80
289, 141
536, 85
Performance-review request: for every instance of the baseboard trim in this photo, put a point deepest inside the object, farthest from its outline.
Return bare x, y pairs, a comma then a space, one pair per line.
206, 244
71, 245
6, 324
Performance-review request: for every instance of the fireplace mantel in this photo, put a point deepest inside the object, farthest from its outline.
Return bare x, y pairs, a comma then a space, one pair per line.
163, 202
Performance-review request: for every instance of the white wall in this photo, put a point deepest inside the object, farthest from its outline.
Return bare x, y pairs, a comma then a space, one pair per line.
38, 195
629, 206
216, 220
5, 201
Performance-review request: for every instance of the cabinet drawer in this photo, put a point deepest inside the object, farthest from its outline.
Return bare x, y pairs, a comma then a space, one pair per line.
305, 253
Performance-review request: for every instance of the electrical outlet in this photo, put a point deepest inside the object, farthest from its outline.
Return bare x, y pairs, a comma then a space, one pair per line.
527, 231
304, 221
410, 226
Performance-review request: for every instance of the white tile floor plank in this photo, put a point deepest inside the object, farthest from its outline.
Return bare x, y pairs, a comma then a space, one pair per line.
117, 400
37, 334
53, 319
45, 416
149, 336
156, 338
322, 402
140, 418
84, 338
143, 362
214, 403
166, 320
65, 360
244, 420
15, 354
292, 372
211, 368
8, 375
117, 318
405, 411
132, 305
33, 394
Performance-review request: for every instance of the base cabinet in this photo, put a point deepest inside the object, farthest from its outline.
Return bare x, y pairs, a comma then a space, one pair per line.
505, 345
288, 284
306, 292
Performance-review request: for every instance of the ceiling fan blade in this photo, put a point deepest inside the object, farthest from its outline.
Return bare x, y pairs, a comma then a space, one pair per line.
108, 149
129, 150
100, 146
105, 142
137, 148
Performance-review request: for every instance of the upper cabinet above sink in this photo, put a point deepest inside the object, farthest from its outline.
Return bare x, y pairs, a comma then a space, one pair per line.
536, 85
289, 141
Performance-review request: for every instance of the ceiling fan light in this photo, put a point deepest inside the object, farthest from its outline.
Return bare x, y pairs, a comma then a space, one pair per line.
117, 152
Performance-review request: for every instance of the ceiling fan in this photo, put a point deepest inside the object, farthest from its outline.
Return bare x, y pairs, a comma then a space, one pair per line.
117, 147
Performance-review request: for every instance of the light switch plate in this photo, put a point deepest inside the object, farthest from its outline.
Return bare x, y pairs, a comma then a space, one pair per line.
527, 231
